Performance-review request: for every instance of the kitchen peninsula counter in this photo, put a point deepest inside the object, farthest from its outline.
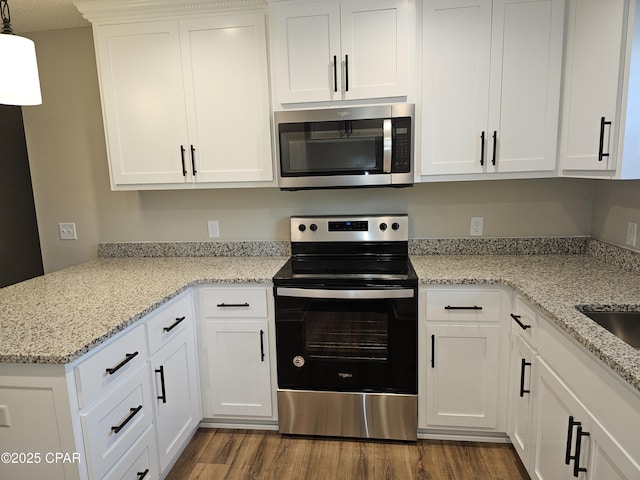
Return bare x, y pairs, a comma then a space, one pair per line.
57, 318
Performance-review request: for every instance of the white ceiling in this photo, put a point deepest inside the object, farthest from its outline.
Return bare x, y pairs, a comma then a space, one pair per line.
36, 15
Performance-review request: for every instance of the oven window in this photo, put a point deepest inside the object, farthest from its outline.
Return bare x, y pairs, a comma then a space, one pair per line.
331, 148
341, 330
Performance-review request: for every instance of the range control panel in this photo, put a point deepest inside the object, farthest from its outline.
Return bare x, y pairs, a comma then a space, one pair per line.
344, 228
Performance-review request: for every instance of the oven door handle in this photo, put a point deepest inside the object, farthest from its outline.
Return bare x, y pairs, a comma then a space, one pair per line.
345, 294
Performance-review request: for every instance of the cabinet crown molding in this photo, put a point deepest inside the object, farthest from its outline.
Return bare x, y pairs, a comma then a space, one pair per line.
103, 11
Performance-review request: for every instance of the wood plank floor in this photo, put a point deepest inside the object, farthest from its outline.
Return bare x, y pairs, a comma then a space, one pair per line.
222, 454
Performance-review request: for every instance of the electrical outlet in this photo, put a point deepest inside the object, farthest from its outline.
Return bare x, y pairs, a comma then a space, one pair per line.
67, 231
214, 228
476, 226
632, 231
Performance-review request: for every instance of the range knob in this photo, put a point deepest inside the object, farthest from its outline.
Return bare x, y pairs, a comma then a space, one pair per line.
383, 226
302, 227
313, 227
395, 226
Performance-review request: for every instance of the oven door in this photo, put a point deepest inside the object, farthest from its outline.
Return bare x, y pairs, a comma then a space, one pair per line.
347, 339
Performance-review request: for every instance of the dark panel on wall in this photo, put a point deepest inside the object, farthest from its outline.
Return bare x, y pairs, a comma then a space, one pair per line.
20, 254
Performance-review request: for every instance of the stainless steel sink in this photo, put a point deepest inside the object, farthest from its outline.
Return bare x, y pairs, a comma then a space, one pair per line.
624, 325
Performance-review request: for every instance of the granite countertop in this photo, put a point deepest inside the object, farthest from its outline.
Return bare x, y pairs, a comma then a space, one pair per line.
555, 284
56, 318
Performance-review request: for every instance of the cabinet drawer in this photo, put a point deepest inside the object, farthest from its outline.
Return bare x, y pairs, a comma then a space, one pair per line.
234, 302
110, 365
459, 305
112, 425
525, 321
169, 322
141, 459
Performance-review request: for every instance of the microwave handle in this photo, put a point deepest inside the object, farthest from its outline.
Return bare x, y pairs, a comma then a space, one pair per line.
386, 145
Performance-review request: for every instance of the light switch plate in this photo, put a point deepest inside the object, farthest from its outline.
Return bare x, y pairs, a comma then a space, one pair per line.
214, 228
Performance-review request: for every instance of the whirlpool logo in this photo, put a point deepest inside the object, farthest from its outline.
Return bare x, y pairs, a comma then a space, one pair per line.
345, 375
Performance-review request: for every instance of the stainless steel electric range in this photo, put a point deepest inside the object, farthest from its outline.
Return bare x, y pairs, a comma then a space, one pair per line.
346, 308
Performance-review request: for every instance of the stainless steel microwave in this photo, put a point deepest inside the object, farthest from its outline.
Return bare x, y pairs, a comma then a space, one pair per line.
345, 147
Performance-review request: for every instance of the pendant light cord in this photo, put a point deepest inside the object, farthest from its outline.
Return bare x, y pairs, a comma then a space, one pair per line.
6, 17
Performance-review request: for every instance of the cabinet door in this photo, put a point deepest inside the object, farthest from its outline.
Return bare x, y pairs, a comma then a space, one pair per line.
600, 456
455, 90
143, 102
462, 377
522, 389
226, 88
593, 70
238, 363
374, 45
176, 394
306, 51
526, 63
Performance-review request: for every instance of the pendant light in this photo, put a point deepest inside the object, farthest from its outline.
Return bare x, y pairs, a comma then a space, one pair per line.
19, 81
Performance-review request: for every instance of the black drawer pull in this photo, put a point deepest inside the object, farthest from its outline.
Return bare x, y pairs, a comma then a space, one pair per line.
162, 397
495, 147
262, 345
346, 73
193, 160
335, 74
576, 460
184, 168
127, 359
601, 153
227, 305
433, 351
475, 307
523, 365
141, 475
133, 413
482, 141
517, 319
567, 453
174, 325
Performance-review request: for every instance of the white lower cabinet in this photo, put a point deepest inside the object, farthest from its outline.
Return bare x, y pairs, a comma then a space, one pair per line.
571, 443
466, 361
177, 405
235, 343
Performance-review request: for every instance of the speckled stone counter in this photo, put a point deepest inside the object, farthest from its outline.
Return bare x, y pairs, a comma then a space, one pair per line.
57, 318
60, 316
555, 284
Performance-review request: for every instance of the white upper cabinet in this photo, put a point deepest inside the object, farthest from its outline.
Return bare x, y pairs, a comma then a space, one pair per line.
142, 102
491, 85
186, 101
339, 50
600, 104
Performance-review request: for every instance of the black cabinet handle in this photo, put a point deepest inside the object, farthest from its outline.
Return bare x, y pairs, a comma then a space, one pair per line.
262, 345
174, 325
228, 305
134, 412
335, 73
495, 144
346, 73
475, 307
141, 475
517, 319
567, 453
184, 167
523, 365
128, 357
163, 396
576, 460
482, 141
193, 160
601, 153
433, 351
